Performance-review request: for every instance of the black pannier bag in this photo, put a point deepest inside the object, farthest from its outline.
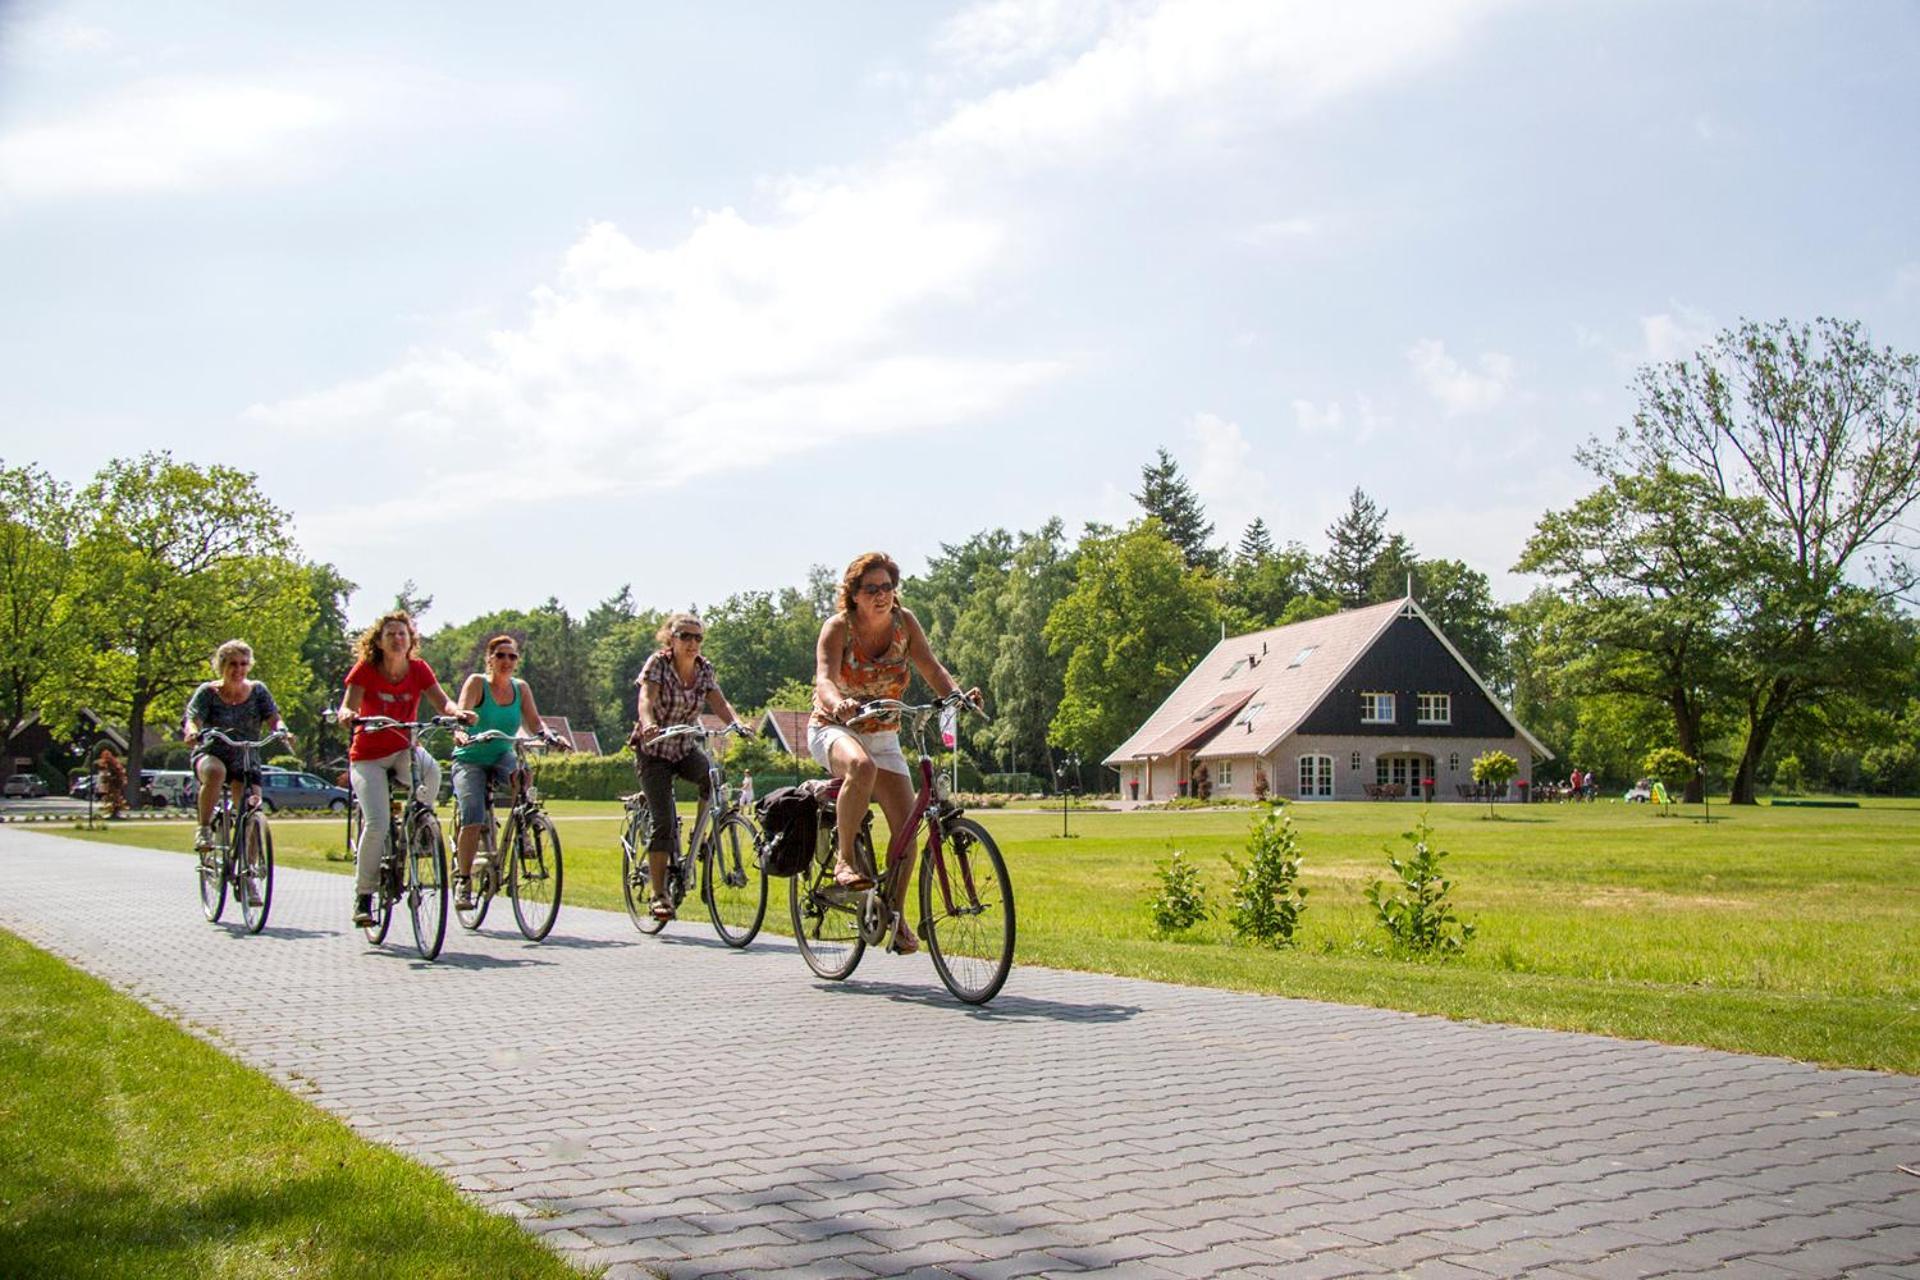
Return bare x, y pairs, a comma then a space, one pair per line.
790, 825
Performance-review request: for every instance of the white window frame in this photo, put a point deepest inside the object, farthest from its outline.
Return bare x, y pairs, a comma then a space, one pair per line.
1453, 762
1355, 763
1223, 776
1300, 658
1371, 704
1309, 775
1425, 704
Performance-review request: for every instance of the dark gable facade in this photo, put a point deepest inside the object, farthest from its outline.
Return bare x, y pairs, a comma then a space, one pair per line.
1407, 661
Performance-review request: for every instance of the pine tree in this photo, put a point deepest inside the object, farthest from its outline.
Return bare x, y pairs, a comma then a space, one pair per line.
1256, 544
1165, 493
1354, 544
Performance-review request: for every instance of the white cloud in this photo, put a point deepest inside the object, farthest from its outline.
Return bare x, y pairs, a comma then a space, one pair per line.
1313, 420
1906, 282
1458, 389
1279, 231
51, 38
1220, 64
1676, 334
1225, 472
161, 135
1002, 34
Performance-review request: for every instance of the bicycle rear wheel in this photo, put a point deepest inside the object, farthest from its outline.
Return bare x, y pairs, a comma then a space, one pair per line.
826, 919
966, 913
427, 884
534, 874
213, 871
253, 871
636, 881
388, 890
732, 882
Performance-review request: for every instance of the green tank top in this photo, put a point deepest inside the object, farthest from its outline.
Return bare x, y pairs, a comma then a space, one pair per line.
492, 716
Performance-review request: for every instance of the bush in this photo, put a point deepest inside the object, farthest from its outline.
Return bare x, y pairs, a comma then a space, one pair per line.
1494, 770
578, 775
1014, 783
1267, 897
1180, 900
1419, 919
1789, 775
1890, 767
292, 762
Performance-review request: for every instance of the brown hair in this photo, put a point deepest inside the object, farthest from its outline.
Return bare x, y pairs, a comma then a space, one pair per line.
863, 565
367, 647
494, 644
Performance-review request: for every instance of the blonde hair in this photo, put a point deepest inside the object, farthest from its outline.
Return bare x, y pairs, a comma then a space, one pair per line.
367, 647
227, 652
863, 565
664, 636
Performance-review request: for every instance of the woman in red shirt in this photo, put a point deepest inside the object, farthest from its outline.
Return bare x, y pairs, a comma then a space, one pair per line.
388, 679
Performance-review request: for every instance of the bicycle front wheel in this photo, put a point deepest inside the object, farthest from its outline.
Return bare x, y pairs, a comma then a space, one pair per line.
213, 872
534, 874
427, 884
826, 920
966, 913
636, 881
253, 871
732, 882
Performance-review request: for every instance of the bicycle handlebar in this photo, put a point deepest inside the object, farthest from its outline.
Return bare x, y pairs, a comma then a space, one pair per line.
388, 722
688, 730
517, 739
220, 735
883, 706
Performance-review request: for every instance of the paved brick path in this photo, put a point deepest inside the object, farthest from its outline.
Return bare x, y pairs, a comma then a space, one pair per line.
669, 1107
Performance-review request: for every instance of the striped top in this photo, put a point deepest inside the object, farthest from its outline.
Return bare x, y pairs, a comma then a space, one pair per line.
886, 676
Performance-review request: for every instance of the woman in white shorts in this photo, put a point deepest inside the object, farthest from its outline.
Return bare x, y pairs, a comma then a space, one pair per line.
870, 649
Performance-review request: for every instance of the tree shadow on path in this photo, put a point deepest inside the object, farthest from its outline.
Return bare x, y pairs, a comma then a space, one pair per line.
1002, 1009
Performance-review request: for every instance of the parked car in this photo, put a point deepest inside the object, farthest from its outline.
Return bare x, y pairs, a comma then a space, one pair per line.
287, 789
23, 786
167, 786
1641, 792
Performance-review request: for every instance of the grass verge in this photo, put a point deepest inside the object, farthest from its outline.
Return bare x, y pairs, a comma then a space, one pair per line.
128, 1148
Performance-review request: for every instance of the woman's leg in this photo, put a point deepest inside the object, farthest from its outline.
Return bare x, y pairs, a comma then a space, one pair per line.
895, 794
370, 788
851, 763
211, 773
470, 802
656, 780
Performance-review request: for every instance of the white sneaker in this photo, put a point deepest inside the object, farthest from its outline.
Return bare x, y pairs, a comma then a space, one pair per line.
203, 840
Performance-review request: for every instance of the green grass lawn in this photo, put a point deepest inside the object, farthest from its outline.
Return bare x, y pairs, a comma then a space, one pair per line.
130, 1149
1777, 931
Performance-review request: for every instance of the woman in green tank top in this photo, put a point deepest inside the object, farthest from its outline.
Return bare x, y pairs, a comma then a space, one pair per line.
505, 704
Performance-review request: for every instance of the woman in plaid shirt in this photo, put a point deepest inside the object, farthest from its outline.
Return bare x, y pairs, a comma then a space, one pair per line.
675, 684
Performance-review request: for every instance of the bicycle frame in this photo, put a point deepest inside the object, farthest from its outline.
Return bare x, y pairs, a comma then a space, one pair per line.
236, 822
931, 791
394, 884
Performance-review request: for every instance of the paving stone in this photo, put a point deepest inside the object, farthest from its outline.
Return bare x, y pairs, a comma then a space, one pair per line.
1282, 1145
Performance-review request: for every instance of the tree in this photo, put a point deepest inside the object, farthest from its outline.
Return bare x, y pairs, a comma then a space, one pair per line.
172, 559
1256, 544
1354, 543
327, 654
409, 601
1027, 677
1806, 444
1166, 496
1494, 770
758, 639
1132, 627
37, 520
1256, 594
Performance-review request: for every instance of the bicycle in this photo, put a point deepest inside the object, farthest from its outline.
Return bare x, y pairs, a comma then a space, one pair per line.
532, 874
966, 897
414, 866
732, 881
244, 861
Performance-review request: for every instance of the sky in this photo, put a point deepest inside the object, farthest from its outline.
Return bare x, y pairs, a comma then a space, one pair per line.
518, 302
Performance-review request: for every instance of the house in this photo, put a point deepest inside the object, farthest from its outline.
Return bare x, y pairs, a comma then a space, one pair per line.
576, 739
1367, 703
786, 730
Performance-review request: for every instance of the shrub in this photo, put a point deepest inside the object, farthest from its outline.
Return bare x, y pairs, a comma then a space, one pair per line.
1013, 783
1419, 918
1260, 784
284, 761
1671, 766
1789, 775
578, 775
1180, 900
1267, 896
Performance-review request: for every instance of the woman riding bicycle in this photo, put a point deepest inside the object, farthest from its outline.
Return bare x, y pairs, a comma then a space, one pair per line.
504, 704
238, 707
389, 679
674, 684
870, 649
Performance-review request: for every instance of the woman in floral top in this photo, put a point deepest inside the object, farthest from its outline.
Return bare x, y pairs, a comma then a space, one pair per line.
675, 684
870, 649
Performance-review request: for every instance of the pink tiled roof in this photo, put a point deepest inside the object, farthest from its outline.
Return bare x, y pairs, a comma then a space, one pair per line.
790, 729
576, 739
1255, 669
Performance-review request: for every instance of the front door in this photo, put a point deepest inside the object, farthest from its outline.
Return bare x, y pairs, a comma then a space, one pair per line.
1404, 771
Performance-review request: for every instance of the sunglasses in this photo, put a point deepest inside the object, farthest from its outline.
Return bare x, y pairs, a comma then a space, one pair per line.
695, 636
505, 655
877, 588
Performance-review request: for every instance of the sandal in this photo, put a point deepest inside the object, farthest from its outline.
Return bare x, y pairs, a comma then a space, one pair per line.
662, 909
847, 876
904, 942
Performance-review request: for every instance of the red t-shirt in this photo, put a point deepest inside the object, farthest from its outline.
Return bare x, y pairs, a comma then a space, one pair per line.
383, 698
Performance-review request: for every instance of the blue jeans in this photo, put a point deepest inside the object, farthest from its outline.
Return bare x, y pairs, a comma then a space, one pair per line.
470, 786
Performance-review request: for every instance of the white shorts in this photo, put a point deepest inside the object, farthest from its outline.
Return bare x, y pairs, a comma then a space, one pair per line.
883, 747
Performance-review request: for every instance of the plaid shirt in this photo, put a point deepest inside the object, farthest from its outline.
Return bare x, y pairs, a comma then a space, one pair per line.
672, 702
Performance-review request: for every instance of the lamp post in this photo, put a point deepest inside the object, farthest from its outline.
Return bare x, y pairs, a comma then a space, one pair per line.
1069, 762
1706, 801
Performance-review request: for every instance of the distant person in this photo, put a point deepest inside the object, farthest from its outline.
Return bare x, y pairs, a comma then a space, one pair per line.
239, 707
